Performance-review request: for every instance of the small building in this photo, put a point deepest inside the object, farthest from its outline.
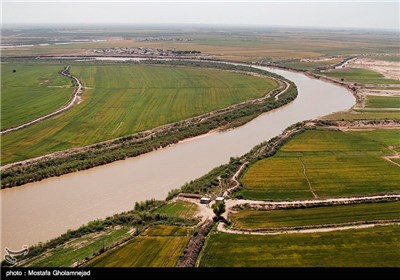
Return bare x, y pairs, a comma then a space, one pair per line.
205, 200
220, 199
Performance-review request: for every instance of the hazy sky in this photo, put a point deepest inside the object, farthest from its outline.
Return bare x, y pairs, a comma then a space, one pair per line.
378, 14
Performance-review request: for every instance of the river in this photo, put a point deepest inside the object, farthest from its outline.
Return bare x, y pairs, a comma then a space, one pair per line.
43, 210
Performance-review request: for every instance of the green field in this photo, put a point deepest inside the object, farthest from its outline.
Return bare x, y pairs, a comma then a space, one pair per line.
383, 102
78, 249
364, 115
31, 92
160, 247
181, 209
378, 246
251, 219
362, 76
244, 45
123, 99
337, 164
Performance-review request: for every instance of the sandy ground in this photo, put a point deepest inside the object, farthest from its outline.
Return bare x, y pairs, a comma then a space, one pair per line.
390, 69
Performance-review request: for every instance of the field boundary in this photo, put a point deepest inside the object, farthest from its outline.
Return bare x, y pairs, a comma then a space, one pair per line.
19, 173
308, 229
77, 92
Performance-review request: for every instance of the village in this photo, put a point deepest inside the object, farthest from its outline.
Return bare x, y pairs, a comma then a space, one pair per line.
142, 51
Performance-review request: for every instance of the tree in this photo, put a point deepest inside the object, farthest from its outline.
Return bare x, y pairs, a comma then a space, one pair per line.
218, 209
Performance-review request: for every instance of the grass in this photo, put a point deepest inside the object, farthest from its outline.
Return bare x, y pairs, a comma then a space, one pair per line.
372, 247
146, 250
362, 76
124, 99
166, 230
251, 219
364, 115
383, 102
337, 164
31, 92
78, 249
181, 209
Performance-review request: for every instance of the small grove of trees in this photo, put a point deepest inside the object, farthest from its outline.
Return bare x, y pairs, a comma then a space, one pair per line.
218, 208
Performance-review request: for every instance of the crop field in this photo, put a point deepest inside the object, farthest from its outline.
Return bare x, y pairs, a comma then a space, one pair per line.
160, 247
336, 164
181, 209
31, 92
78, 249
123, 99
251, 219
362, 76
383, 102
372, 247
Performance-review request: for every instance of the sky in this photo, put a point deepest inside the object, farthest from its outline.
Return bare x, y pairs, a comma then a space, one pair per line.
319, 14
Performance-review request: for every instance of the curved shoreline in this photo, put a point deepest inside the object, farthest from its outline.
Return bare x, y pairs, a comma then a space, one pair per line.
75, 98
144, 137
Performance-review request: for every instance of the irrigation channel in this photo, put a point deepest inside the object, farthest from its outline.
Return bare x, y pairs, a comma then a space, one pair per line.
43, 210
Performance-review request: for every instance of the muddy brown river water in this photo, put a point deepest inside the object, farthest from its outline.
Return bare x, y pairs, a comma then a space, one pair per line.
43, 210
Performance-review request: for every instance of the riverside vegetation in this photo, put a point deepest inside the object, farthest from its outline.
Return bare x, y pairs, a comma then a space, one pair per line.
167, 219
133, 145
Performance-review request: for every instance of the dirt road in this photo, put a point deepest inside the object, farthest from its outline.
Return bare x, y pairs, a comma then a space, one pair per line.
75, 98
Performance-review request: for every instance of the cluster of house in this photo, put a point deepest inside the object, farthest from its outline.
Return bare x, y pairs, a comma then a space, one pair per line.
140, 51
153, 39
130, 51
207, 200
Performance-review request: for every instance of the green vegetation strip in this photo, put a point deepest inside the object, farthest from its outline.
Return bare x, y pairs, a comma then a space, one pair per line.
158, 248
362, 76
79, 244
79, 249
337, 163
383, 102
124, 99
182, 209
32, 91
252, 219
124, 147
378, 246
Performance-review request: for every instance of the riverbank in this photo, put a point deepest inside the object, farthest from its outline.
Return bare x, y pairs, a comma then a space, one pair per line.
76, 159
227, 176
115, 187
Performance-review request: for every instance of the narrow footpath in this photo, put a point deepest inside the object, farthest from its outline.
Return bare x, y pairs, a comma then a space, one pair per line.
74, 100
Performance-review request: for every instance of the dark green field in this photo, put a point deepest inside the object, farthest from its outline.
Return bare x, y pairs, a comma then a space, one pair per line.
123, 99
31, 92
249, 219
157, 247
378, 246
337, 164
